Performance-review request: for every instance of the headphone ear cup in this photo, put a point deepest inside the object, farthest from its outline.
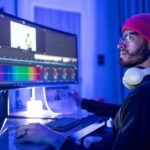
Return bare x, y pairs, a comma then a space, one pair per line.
128, 86
133, 77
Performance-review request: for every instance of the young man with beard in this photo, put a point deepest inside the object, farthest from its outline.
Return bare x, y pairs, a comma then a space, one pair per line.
131, 120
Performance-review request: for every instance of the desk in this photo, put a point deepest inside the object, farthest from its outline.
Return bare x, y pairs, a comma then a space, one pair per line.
7, 139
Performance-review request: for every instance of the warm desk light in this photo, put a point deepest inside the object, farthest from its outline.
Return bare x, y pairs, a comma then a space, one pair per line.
34, 108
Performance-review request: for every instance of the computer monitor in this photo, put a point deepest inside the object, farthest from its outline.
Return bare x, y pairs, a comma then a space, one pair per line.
34, 55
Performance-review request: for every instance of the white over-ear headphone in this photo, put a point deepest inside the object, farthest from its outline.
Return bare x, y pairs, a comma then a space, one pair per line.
134, 76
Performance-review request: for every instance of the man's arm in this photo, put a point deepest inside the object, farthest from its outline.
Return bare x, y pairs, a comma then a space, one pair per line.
103, 109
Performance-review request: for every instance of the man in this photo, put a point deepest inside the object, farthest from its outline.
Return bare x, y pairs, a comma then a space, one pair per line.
28, 41
131, 125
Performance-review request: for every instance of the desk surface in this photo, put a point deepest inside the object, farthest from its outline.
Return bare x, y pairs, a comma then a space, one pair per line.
8, 137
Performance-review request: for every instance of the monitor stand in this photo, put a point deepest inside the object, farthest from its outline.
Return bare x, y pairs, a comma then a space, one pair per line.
35, 103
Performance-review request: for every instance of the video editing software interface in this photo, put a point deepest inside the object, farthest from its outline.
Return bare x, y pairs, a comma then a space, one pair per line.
34, 55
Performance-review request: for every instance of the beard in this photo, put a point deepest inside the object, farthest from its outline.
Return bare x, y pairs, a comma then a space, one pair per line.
137, 57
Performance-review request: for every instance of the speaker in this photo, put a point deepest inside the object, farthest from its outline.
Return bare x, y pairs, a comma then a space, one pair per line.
134, 76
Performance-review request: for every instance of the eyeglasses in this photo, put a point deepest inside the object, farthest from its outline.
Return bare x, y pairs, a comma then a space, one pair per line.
128, 37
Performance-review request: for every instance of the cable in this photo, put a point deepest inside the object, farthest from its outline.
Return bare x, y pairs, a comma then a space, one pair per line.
46, 103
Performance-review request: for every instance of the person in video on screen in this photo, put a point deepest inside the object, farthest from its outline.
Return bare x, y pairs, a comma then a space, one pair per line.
28, 41
131, 120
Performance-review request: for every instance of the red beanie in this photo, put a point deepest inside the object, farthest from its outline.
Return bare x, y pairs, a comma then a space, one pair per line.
139, 23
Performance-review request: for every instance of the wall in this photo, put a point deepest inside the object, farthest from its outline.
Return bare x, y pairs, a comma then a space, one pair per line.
107, 83
8, 6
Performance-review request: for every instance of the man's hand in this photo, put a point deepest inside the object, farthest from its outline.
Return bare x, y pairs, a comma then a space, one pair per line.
38, 133
75, 95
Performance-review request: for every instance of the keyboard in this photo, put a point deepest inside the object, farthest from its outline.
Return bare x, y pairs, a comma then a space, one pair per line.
63, 124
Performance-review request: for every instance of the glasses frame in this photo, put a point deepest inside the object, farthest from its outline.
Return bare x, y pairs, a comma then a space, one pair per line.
128, 37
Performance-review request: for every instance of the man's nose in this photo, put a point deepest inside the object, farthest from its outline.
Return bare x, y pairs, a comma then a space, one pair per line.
121, 44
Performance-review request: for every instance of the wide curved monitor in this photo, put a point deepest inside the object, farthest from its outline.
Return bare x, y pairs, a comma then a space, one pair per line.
34, 55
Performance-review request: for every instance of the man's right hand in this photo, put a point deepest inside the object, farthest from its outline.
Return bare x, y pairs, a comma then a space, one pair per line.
75, 95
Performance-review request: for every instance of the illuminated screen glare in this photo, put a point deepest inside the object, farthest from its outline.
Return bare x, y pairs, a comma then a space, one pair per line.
35, 55
27, 36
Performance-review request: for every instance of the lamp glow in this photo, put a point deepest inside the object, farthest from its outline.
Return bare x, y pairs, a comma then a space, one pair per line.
34, 108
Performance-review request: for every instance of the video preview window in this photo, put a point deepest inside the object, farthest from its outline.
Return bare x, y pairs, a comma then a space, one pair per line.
22, 36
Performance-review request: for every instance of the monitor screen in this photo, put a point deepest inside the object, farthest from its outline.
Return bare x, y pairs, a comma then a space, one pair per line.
35, 55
